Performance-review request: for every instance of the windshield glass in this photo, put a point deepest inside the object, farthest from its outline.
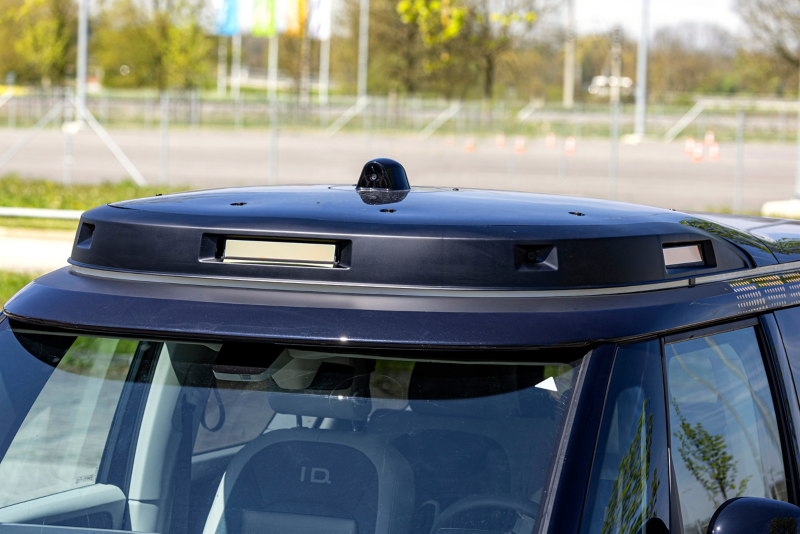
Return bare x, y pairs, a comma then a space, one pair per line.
233, 437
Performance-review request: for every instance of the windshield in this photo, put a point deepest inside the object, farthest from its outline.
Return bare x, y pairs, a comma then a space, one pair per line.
146, 436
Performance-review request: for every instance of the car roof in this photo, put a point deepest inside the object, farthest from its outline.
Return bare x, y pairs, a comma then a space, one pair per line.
423, 237
431, 267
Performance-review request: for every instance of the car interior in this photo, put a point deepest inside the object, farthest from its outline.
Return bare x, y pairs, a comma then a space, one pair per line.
193, 437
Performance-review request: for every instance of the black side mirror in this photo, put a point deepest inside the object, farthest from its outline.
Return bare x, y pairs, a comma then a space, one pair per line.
654, 525
754, 515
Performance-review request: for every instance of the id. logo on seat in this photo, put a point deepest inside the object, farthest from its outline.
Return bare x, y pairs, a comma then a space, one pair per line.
319, 475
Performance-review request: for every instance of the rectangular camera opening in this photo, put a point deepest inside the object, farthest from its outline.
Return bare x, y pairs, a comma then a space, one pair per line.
683, 255
294, 253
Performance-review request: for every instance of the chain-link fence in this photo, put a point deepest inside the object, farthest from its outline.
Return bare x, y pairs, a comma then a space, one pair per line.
734, 158
196, 109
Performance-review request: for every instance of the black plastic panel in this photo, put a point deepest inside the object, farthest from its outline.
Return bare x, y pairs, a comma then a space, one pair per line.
430, 238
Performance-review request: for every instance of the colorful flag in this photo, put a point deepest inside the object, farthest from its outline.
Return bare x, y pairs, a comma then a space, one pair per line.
319, 19
227, 20
264, 18
296, 15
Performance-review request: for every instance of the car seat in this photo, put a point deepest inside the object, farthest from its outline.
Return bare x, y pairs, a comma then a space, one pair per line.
469, 430
315, 481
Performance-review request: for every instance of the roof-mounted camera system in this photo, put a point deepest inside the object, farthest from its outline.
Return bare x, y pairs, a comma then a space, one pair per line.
383, 173
382, 181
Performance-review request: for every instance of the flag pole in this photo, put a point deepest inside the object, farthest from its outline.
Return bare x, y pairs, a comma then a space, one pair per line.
325, 60
236, 65
222, 66
272, 68
324, 73
363, 48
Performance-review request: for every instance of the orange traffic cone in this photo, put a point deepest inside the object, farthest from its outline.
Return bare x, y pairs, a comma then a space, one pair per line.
519, 145
697, 153
688, 148
713, 152
569, 145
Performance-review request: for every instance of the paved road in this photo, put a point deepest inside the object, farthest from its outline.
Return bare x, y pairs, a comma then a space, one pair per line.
650, 173
34, 251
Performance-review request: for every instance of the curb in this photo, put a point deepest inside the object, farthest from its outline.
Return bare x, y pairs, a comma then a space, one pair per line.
41, 213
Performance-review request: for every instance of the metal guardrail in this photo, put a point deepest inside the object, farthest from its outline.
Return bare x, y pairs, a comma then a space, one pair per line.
41, 213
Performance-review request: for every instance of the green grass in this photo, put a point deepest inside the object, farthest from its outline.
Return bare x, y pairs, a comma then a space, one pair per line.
20, 193
10, 283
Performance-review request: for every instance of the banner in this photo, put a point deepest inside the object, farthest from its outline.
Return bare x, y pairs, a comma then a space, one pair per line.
227, 19
296, 16
265, 18
319, 19
264, 12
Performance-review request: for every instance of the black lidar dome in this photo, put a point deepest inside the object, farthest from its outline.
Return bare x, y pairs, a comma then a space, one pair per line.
383, 173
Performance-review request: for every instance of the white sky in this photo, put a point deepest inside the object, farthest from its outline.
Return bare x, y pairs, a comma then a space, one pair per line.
601, 15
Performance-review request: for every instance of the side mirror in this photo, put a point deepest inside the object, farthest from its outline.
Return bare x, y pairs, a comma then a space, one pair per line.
754, 515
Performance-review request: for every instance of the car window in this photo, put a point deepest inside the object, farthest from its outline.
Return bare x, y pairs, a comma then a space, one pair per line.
725, 437
243, 437
629, 484
233, 414
789, 325
62, 438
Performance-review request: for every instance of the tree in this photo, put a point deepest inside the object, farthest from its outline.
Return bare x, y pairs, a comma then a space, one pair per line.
706, 458
494, 29
623, 512
488, 28
783, 525
774, 23
692, 58
46, 36
162, 44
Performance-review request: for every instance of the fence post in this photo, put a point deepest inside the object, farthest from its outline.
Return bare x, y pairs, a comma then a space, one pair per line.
67, 129
104, 110
12, 112
273, 140
163, 174
237, 112
195, 108
613, 162
738, 177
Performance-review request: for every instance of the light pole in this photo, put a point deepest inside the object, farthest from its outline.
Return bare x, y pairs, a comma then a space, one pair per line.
236, 65
222, 66
363, 48
640, 120
614, 89
569, 58
83, 50
273, 108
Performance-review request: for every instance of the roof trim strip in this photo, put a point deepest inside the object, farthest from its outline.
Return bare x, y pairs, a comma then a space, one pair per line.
291, 285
